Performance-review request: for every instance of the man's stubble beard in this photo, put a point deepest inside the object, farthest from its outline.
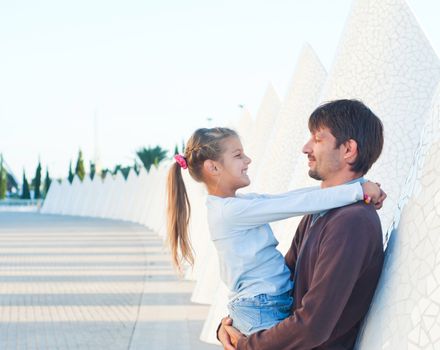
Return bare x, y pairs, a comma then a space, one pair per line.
315, 175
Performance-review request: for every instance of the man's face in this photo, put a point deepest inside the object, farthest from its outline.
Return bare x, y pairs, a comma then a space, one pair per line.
325, 160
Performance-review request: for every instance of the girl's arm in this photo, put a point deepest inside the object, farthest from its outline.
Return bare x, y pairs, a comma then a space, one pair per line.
254, 195
244, 213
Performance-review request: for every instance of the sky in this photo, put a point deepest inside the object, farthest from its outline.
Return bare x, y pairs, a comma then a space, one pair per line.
120, 75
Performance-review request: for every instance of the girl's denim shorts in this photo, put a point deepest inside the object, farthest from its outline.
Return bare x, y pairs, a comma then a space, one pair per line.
250, 315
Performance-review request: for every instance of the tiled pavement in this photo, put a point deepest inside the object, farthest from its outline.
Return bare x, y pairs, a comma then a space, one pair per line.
83, 283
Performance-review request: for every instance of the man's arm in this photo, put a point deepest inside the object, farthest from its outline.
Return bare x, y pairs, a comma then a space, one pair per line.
222, 334
345, 247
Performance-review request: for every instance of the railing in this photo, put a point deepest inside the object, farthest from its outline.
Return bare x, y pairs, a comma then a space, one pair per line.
20, 204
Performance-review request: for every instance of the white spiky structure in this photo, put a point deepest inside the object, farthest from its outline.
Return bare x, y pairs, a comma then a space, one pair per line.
405, 313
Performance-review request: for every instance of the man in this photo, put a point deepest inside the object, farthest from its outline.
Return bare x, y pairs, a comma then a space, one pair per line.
336, 257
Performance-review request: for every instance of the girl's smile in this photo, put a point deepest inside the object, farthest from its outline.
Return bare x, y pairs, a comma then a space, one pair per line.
230, 172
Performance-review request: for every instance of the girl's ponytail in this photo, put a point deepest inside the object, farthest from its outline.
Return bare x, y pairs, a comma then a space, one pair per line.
178, 214
203, 144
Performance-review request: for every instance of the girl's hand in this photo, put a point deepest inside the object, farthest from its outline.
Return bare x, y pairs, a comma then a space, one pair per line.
373, 193
382, 197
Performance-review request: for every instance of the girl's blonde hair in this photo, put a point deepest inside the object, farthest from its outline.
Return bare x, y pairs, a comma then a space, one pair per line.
204, 144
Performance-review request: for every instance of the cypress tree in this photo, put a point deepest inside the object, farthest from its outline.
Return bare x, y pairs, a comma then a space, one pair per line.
80, 169
92, 170
70, 177
37, 182
176, 150
136, 167
47, 182
3, 179
104, 173
25, 194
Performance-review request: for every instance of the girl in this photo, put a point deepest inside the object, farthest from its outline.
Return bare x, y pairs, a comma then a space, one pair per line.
250, 265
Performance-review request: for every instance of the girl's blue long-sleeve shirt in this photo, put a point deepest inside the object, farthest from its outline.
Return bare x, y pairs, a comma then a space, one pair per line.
250, 264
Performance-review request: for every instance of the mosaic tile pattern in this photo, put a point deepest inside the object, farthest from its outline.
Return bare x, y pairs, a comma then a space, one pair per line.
286, 139
245, 127
199, 241
385, 60
206, 269
128, 196
264, 122
83, 206
405, 313
98, 192
377, 63
66, 198
217, 311
114, 197
51, 197
142, 193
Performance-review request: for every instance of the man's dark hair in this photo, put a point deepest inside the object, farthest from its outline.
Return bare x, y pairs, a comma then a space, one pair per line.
351, 119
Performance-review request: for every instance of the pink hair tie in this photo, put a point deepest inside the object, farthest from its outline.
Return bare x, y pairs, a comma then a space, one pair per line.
181, 161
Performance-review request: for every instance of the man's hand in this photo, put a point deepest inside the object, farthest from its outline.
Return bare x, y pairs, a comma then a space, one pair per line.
223, 335
234, 335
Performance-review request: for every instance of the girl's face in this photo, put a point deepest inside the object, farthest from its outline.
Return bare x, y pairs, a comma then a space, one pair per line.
234, 165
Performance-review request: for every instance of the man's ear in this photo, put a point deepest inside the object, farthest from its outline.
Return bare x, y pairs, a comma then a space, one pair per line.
211, 167
351, 150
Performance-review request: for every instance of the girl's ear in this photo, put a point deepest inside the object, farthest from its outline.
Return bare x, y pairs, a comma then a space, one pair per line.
211, 167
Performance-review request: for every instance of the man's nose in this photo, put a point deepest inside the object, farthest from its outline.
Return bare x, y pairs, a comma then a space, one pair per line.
248, 160
307, 148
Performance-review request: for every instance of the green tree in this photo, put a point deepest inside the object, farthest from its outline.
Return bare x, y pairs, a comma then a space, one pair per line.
3, 179
104, 173
79, 169
47, 182
92, 170
11, 183
25, 193
176, 150
124, 170
37, 182
136, 167
151, 156
70, 176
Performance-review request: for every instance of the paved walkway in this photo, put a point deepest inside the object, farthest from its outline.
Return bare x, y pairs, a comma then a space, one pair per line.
82, 283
